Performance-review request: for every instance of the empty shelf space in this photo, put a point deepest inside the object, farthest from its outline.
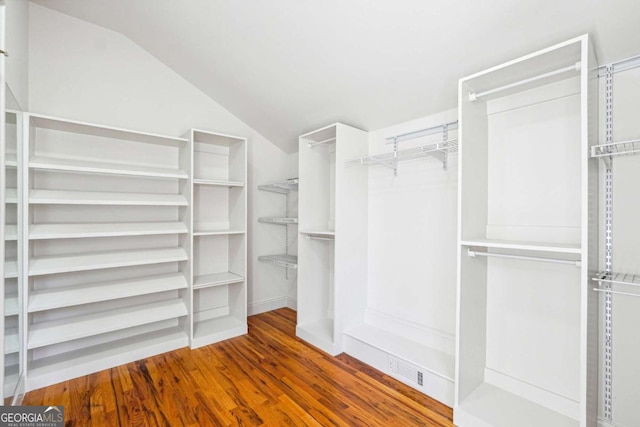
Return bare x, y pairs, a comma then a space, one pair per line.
10, 269
11, 341
433, 360
57, 197
281, 187
218, 183
290, 261
58, 331
74, 165
11, 160
438, 151
68, 365
11, 232
622, 148
524, 246
216, 279
318, 333
68, 231
278, 220
490, 405
203, 231
49, 299
11, 307
220, 325
99, 260
11, 195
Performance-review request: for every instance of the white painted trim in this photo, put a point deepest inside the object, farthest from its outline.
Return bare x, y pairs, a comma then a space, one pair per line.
430, 337
292, 303
267, 305
556, 402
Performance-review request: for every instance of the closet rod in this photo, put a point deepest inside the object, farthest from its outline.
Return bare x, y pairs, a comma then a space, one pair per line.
473, 253
622, 65
473, 96
608, 291
422, 132
312, 143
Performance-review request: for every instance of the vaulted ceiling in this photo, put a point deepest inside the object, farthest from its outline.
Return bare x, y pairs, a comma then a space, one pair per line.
288, 66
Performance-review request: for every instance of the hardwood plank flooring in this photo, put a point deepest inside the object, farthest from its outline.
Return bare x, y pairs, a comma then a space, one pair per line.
265, 378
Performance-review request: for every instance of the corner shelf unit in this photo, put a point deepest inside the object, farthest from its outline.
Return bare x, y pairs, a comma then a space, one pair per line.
104, 286
525, 245
284, 260
332, 264
218, 241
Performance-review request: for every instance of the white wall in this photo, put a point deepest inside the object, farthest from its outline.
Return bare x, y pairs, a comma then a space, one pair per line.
412, 240
17, 33
82, 71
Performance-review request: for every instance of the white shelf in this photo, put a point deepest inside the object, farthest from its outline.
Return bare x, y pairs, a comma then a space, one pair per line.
622, 148
11, 232
11, 341
318, 334
619, 283
67, 231
216, 279
99, 260
10, 160
324, 233
57, 197
214, 330
11, 307
278, 220
205, 232
438, 151
58, 331
218, 183
524, 246
50, 299
282, 187
85, 166
290, 261
103, 356
11, 195
488, 405
10, 269
434, 361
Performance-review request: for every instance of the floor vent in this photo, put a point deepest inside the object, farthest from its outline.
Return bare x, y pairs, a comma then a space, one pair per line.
404, 370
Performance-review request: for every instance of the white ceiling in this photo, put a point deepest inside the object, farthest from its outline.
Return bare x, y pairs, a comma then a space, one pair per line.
289, 66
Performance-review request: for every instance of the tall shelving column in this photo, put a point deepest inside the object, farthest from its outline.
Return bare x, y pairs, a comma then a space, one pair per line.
219, 238
527, 197
12, 244
332, 247
285, 260
107, 254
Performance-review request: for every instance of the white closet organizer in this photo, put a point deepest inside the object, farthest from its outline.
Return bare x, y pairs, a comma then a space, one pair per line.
12, 288
283, 260
107, 249
332, 253
526, 338
219, 297
618, 282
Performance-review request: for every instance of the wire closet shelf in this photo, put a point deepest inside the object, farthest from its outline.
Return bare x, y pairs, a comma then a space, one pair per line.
622, 148
439, 150
626, 284
289, 261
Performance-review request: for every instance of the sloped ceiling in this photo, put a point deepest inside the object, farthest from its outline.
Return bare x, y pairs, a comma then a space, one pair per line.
289, 66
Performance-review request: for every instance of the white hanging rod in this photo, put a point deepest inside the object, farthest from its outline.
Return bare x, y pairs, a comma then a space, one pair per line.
422, 132
314, 237
473, 96
607, 291
325, 141
473, 253
622, 65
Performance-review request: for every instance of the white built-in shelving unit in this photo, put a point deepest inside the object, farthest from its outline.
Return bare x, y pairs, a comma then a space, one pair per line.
107, 246
219, 291
526, 335
332, 260
286, 260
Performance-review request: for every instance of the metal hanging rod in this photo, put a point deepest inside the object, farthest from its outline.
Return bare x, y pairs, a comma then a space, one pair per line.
422, 132
473, 253
326, 141
609, 291
473, 96
622, 65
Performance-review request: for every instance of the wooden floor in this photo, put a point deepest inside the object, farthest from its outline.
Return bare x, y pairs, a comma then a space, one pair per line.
267, 378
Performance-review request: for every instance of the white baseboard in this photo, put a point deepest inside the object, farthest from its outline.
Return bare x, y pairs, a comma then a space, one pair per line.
267, 305
429, 337
292, 303
561, 404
